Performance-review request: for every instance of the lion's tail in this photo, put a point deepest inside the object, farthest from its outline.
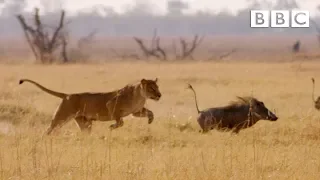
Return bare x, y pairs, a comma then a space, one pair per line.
54, 93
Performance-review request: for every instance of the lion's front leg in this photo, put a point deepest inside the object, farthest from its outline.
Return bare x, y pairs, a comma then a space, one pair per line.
144, 112
119, 123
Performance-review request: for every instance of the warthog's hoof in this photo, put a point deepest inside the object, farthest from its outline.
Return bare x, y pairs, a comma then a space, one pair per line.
203, 131
113, 126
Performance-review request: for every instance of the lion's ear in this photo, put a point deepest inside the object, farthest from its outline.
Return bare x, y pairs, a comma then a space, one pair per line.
156, 80
143, 81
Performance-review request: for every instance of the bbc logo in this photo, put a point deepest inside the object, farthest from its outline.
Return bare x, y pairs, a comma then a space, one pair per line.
279, 18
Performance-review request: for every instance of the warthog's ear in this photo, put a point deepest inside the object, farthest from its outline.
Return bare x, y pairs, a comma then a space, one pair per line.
143, 81
156, 80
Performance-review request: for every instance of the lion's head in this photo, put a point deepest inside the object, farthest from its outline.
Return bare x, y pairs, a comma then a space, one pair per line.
150, 89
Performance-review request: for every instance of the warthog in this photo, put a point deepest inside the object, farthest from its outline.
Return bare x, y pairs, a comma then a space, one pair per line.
240, 114
316, 102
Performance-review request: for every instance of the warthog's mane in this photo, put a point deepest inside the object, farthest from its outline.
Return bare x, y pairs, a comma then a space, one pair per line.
243, 101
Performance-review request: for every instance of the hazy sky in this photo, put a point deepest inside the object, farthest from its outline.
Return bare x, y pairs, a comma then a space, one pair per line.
158, 6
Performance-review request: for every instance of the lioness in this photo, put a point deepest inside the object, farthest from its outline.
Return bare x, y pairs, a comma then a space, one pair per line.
87, 107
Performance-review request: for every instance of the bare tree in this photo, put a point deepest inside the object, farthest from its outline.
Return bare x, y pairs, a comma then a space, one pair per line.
154, 50
42, 42
188, 50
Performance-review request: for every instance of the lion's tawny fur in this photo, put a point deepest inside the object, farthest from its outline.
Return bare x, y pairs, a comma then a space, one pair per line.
87, 107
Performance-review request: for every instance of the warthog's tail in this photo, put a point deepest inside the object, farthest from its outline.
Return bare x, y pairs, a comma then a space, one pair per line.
54, 93
195, 97
313, 84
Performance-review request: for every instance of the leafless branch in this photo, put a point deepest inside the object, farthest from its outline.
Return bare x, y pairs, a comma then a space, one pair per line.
155, 50
174, 48
227, 54
187, 52
27, 29
39, 39
86, 39
57, 31
224, 55
64, 49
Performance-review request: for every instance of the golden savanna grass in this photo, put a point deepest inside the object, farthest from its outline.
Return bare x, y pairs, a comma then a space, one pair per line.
171, 147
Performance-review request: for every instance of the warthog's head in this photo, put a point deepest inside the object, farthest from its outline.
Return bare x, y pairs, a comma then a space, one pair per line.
150, 89
258, 109
316, 102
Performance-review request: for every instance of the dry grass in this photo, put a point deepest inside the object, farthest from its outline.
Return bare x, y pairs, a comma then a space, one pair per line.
171, 147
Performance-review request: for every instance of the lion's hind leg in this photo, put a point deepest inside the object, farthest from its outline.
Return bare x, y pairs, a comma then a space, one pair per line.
84, 124
62, 115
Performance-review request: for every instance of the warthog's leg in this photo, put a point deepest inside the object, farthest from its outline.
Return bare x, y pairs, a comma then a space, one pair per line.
204, 131
208, 124
202, 121
119, 123
144, 112
84, 124
236, 130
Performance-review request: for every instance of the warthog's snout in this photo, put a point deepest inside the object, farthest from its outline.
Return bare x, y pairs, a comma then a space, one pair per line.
272, 116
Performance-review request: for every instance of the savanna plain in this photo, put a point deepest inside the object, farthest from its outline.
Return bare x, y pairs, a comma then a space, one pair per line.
171, 147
